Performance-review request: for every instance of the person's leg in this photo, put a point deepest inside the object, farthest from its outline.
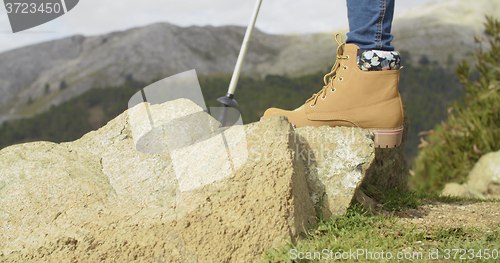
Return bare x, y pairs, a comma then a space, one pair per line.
370, 23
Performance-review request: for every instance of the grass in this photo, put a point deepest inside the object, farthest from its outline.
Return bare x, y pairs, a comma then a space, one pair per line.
360, 231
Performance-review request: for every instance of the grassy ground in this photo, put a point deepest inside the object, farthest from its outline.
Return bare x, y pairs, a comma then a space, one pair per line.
351, 238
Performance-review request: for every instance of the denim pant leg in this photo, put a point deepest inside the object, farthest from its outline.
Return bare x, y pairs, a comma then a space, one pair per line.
370, 23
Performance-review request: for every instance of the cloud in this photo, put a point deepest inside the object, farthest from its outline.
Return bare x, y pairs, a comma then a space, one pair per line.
93, 17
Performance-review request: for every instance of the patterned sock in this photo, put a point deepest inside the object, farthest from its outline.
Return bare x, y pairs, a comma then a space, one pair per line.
378, 60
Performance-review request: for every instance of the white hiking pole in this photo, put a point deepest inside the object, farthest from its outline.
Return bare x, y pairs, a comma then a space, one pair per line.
228, 100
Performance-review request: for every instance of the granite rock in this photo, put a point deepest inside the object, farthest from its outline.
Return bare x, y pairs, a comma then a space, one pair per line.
483, 181
336, 159
484, 178
217, 197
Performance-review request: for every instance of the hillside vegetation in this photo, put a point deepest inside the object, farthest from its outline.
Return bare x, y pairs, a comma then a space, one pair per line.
473, 126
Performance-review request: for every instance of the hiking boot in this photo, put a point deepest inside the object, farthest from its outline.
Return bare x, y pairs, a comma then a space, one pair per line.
360, 91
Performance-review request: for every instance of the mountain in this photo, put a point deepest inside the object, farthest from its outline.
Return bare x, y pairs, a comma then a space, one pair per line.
35, 77
444, 30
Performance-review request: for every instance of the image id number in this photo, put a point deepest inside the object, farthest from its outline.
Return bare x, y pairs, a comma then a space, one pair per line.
25, 8
470, 254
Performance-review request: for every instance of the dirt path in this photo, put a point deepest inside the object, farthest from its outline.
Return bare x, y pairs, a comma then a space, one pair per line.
453, 215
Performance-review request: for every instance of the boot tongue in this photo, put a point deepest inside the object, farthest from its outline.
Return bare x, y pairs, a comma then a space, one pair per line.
378, 60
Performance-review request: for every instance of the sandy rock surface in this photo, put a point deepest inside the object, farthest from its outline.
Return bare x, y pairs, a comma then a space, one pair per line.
100, 199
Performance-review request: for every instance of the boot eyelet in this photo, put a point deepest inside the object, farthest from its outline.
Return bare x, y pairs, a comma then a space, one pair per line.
333, 90
312, 106
341, 79
347, 56
323, 97
345, 67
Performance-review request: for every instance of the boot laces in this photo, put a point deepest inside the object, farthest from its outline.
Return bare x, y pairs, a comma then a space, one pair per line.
330, 77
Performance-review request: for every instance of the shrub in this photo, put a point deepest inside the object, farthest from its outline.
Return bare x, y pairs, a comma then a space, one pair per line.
472, 128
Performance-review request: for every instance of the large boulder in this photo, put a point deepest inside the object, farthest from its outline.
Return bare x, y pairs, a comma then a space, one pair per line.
483, 180
222, 197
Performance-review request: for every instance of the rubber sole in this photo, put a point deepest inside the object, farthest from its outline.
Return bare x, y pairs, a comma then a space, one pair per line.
387, 138
384, 138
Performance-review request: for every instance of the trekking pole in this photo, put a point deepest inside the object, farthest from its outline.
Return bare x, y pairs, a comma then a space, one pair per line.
228, 100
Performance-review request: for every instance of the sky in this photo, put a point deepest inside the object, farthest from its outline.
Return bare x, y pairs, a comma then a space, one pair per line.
95, 17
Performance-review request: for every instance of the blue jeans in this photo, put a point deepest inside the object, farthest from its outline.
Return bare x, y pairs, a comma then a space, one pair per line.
370, 23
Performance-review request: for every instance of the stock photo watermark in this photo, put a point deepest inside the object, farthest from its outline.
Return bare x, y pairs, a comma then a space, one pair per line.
26, 14
365, 254
187, 130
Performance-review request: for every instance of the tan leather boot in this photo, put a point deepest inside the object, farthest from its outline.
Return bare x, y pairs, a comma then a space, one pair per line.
354, 98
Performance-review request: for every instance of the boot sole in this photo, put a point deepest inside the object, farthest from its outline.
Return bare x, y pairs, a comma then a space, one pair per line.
387, 138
